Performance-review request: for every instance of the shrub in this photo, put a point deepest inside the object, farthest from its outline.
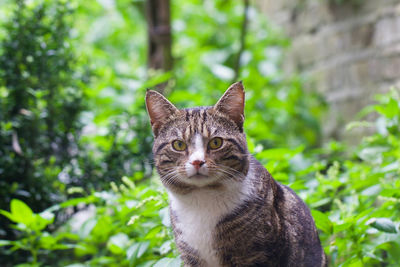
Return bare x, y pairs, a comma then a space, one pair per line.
356, 202
41, 100
127, 226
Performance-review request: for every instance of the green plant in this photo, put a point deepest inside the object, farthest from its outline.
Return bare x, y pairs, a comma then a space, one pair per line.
33, 237
356, 202
279, 113
41, 100
127, 226
354, 199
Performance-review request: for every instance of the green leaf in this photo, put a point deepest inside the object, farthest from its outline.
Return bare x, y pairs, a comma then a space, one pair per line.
87, 227
322, 221
372, 154
135, 251
372, 190
47, 241
389, 110
166, 247
21, 212
76, 201
383, 224
153, 232
341, 227
394, 166
39, 223
8, 215
82, 249
391, 192
165, 219
117, 243
147, 264
321, 202
280, 153
5, 243
168, 262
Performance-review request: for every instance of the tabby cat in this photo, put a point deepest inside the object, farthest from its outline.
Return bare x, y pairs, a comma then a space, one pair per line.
226, 209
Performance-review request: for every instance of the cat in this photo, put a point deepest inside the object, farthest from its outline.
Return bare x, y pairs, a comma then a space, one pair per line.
225, 207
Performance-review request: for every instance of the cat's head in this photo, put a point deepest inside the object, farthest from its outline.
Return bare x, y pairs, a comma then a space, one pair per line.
202, 146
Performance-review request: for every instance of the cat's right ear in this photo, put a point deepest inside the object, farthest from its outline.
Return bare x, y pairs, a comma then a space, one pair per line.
232, 103
159, 109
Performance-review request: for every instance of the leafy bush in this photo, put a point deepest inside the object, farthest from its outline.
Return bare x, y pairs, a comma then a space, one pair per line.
127, 226
41, 100
33, 237
204, 63
356, 202
353, 198
117, 138
354, 195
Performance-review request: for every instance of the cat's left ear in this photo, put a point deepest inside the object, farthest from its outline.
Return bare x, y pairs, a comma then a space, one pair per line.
232, 103
159, 109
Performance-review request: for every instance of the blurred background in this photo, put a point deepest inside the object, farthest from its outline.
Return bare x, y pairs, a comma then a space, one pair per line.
77, 182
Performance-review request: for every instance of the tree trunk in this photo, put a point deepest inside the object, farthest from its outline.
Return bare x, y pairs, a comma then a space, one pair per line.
159, 36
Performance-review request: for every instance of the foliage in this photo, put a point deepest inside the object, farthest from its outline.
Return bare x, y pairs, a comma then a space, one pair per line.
201, 78
121, 139
353, 198
33, 237
356, 201
116, 139
123, 227
41, 100
112, 34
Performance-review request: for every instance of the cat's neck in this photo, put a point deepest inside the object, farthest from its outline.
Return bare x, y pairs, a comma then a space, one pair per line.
198, 212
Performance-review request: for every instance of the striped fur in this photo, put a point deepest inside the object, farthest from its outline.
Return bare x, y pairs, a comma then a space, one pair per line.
226, 209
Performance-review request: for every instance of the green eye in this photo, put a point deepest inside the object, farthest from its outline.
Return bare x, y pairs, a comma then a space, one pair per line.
179, 145
215, 143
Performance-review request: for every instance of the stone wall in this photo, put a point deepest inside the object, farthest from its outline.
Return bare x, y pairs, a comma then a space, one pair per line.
349, 52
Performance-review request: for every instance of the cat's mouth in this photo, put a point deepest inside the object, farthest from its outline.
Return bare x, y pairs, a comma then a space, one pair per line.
198, 176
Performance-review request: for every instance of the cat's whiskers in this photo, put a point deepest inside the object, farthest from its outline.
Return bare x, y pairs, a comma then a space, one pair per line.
229, 173
170, 176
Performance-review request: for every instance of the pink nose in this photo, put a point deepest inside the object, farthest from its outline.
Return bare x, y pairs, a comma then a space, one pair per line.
197, 164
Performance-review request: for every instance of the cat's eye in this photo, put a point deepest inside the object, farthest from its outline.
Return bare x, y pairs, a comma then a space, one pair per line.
179, 145
215, 143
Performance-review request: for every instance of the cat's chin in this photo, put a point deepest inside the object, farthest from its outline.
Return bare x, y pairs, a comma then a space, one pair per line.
200, 180
199, 176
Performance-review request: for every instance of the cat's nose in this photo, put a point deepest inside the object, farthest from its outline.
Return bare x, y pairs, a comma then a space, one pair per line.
197, 164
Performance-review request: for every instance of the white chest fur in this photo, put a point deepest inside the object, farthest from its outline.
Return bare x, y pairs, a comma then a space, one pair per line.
199, 211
